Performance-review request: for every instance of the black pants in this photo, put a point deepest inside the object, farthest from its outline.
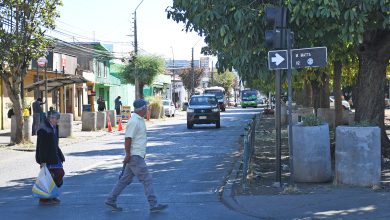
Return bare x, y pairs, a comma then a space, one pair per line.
118, 111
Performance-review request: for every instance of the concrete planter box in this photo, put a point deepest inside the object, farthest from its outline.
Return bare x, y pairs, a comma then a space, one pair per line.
311, 153
301, 112
101, 120
27, 128
65, 125
88, 121
358, 155
112, 115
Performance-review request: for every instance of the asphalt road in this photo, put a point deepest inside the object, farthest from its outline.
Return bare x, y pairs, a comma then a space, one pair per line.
189, 168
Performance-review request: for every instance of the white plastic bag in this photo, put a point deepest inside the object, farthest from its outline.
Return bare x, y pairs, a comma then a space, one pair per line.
44, 186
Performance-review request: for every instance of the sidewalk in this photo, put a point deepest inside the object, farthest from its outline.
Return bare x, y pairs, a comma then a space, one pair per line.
78, 135
302, 201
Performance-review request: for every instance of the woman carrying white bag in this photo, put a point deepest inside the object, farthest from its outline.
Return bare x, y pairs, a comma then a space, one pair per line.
49, 155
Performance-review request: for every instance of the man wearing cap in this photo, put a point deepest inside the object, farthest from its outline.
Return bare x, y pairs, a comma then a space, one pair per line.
48, 152
135, 150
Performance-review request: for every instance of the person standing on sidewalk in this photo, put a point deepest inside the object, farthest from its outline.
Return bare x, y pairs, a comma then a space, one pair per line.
101, 104
37, 111
135, 150
118, 105
49, 153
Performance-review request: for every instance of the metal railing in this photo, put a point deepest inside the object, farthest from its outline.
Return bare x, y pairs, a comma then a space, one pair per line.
249, 141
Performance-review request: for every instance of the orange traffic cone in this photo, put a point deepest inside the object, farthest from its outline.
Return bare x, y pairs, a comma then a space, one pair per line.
109, 126
120, 128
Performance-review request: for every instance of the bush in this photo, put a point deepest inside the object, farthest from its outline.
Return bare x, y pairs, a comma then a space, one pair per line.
311, 120
364, 123
155, 106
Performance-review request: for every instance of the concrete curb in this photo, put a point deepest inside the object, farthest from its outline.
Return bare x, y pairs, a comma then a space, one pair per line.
227, 196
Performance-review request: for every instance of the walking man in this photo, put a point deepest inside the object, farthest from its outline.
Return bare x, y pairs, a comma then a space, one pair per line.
118, 105
49, 153
135, 150
37, 111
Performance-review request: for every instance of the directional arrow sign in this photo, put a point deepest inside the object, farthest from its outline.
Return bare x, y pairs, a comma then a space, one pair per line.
277, 59
308, 57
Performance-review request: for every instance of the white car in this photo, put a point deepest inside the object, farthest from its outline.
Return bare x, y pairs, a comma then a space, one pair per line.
169, 108
345, 104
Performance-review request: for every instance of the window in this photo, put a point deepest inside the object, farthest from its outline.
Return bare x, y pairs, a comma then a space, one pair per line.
105, 70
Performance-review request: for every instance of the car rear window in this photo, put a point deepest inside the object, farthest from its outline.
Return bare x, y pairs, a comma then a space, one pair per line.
203, 101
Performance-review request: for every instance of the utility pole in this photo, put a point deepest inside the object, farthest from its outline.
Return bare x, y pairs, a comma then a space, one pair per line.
173, 81
137, 89
193, 72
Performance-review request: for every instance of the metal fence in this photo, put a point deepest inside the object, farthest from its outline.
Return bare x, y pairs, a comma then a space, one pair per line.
249, 141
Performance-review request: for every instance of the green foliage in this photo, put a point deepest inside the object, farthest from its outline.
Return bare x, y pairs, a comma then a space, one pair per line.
22, 33
233, 30
311, 120
145, 68
364, 123
225, 80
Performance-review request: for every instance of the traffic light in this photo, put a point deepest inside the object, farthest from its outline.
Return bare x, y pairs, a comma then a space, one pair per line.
276, 18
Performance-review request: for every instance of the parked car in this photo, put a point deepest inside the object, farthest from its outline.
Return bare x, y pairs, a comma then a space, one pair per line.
169, 108
345, 104
203, 109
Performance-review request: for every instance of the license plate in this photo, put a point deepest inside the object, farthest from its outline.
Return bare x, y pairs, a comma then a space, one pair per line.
202, 117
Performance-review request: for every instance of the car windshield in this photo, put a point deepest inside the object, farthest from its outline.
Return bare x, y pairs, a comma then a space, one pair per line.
217, 93
249, 95
203, 100
166, 103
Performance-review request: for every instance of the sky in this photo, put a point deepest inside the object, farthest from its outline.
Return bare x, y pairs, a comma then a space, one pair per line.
111, 22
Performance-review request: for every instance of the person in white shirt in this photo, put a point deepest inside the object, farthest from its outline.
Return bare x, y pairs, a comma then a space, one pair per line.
135, 150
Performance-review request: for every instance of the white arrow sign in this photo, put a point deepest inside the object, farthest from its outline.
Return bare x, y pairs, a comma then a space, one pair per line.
277, 59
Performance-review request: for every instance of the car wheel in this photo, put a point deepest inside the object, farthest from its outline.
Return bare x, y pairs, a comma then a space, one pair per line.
189, 125
218, 124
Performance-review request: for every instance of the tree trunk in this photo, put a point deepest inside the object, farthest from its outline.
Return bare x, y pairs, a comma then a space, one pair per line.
374, 55
12, 86
337, 68
324, 102
141, 90
307, 100
316, 91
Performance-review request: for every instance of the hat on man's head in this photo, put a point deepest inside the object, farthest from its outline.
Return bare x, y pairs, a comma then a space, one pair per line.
54, 114
139, 103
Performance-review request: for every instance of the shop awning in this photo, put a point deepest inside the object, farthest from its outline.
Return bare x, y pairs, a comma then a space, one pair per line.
54, 83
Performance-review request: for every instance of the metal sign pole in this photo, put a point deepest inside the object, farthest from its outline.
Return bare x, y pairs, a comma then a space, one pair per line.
290, 134
278, 128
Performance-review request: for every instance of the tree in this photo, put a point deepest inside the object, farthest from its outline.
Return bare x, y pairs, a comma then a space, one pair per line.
225, 80
365, 25
146, 68
22, 39
187, 77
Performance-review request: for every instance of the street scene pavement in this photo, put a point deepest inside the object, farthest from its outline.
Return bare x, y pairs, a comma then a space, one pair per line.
189, 168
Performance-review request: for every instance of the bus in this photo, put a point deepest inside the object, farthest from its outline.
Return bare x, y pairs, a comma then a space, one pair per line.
219, 93
249, 98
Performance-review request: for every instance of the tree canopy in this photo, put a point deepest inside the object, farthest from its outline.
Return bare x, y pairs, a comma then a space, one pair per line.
145, 68
22, 38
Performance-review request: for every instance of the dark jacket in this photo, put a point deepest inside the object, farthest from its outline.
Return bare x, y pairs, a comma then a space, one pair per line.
47, 145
